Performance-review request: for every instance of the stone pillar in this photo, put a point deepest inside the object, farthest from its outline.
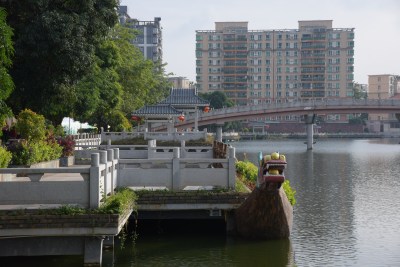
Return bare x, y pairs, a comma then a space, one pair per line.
219, 133
310, 136
231, 168
93, 251
176, 172
309, 120
110, 159
103, 160
196, 119
94, 182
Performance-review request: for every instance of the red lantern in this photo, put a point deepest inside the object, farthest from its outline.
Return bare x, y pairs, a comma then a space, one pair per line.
181, 118
206, 109
135, 118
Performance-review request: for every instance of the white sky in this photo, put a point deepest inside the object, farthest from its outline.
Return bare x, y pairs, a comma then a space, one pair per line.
376, 23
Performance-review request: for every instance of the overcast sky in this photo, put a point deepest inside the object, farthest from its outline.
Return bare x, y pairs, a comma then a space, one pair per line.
376, 23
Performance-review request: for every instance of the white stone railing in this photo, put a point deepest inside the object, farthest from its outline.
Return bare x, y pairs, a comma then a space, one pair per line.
178, 173
114, 136
49, 187
146, 151
175, 136
86, 139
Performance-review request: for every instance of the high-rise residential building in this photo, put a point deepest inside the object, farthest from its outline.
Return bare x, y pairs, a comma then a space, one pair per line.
384, 86
181, 82
262, 66
149, 38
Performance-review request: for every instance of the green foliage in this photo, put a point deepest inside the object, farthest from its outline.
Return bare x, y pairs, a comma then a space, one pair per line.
54, 46
289, 191
241, 187
24, 153
123, 200
6, 53
248, 170
31, 126
69, 210
5, 157
68, 145
217, 99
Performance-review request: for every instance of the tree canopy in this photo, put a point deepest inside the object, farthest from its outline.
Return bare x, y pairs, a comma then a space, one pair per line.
120, 82
55, 42
217, 99
6, 53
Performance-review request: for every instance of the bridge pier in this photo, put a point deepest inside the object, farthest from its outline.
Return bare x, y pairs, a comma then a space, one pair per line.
219, 132
309, 120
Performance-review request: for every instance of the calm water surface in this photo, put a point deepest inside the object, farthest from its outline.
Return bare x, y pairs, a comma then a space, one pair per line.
347, 214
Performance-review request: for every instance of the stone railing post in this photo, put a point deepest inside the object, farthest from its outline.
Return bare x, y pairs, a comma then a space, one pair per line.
94, 182
103, 160
110, 160
176, 170
231, 167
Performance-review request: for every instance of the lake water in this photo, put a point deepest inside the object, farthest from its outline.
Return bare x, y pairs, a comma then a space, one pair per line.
347, 214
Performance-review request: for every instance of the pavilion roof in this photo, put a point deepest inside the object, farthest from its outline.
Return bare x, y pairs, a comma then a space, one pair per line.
184, 97
157, 110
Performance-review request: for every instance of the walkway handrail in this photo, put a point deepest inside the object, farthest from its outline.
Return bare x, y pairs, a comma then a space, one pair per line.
45, 187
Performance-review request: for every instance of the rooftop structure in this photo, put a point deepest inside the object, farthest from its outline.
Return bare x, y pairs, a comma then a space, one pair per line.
149, 39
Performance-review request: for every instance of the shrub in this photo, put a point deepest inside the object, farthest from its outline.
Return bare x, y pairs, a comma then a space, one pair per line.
248, 170
5, 157
31, 126
24, 153
123, 200
68, 145
289, 191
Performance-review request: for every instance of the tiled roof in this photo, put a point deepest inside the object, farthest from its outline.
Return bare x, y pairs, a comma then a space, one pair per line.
180, 96
157, 110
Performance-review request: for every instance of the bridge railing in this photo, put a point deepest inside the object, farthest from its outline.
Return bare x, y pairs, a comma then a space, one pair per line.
304, 104
86, 187
178, 173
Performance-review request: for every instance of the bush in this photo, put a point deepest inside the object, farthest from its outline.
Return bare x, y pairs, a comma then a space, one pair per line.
5, 157
68, 145
289, 191
24, 153
31, 126
248, 170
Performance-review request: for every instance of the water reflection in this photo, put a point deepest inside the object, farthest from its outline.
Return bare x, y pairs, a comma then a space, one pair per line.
204, 250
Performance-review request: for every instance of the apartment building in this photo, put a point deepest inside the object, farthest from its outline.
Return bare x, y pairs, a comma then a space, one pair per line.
149, 38
383, 86
262, 66
181, 82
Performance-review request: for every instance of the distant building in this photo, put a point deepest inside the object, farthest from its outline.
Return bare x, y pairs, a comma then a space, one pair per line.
383, 86
262, 66
149, 39
181, 82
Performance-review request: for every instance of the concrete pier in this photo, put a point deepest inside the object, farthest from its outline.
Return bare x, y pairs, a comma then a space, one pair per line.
310, 120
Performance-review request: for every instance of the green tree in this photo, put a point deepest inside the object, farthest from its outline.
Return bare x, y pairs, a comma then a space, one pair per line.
120, 82
143, 81
217, 99
55, 43
220, 100
6, 52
